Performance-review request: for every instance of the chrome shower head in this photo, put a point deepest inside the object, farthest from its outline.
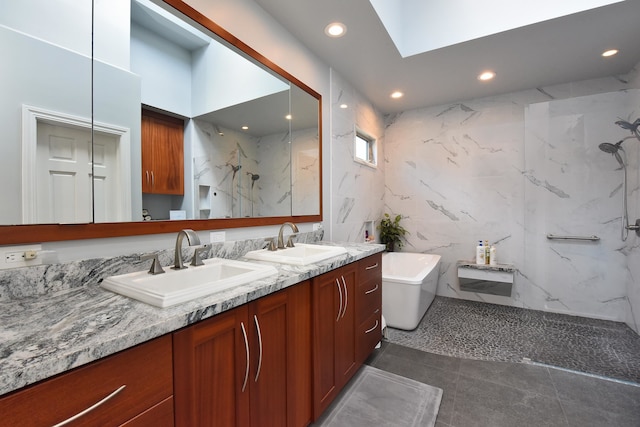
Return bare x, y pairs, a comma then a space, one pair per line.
614, 149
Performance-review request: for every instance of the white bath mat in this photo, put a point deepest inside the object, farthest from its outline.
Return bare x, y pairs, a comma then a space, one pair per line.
378, 398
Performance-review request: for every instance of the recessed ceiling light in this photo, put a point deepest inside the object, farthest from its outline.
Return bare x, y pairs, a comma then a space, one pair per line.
288, 117
335, 29
245, 127
486, 75
609, 52
343, 106
397, 94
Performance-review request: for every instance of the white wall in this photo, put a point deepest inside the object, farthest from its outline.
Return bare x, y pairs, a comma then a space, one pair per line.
356, 190
511, 169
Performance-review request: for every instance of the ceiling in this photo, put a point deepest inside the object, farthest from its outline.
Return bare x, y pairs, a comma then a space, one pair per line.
557, 51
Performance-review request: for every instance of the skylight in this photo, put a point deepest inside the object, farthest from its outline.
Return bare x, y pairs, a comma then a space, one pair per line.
418, 26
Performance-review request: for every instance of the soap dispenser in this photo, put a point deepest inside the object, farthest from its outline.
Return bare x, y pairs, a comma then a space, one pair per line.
479, 253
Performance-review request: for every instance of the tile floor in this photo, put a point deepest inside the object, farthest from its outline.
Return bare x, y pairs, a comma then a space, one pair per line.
495, 394
475, 353
482, 331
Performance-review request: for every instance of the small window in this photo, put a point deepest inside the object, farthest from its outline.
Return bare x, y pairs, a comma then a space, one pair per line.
365, 149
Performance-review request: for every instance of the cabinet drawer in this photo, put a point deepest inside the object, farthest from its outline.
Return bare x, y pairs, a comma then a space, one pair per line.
368, 335
368, 299
145, 371
370, 268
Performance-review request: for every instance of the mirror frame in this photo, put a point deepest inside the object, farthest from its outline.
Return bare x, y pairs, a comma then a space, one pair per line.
16, 234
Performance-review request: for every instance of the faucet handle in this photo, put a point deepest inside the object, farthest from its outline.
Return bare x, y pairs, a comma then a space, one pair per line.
290, 241
270, 244
156, 268
195, 261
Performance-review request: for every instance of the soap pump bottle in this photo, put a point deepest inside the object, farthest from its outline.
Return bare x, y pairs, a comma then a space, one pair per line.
487, 252
479, 253
492, 256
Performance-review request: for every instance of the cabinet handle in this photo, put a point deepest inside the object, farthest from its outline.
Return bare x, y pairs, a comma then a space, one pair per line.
372, 329
246, 347
371, 267
153, 180
339, 290
255, 319
371, 291
90, 408
147, 174
346, 296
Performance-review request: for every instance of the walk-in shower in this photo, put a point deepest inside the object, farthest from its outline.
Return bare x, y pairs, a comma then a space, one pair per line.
616, 150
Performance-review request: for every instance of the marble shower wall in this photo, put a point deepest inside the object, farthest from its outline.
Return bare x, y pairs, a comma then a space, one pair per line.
357, 190
511, 169
218, 194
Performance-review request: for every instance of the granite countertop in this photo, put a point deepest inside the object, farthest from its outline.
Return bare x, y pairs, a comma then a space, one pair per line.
45, 335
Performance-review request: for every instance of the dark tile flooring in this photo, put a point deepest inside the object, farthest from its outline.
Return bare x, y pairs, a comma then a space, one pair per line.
482, 331
495, 394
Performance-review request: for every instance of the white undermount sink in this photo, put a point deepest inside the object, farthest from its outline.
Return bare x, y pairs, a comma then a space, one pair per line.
177, 286
301, 254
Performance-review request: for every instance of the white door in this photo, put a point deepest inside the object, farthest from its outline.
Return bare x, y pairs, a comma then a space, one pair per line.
63, 186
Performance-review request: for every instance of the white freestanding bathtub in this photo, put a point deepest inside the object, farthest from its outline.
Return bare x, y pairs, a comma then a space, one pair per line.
409, 284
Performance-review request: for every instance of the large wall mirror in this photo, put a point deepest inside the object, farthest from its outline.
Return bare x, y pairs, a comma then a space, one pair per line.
137, 117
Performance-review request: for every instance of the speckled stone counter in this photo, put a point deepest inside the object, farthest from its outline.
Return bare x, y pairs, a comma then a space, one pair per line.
54, 319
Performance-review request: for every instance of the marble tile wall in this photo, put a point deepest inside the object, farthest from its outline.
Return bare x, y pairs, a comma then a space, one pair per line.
357, 190
511, 169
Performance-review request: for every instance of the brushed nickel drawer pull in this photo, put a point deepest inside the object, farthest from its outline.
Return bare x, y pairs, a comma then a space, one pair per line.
339, 290
371, 267
346, 297
255, 319
90, 408
372, 329
371, 291
246, 347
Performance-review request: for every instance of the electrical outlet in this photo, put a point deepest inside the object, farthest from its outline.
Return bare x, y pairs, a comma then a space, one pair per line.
317, 226
217, 236
19, 256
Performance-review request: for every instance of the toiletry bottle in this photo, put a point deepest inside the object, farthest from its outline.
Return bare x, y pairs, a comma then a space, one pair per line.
366, 235
492, 255
479, 253
487, 252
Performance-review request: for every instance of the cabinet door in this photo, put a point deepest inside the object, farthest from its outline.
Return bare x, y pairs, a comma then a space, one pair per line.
268, 373
333, 334
325, 320
211, 371
346, 361
281, 358
162, 154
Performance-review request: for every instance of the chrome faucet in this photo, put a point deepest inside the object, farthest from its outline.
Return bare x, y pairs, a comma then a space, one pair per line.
192, 240
290, 244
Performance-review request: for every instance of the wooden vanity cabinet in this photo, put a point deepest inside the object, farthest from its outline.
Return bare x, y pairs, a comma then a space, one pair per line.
334, 328
368, 306
162, 139
146, 399
250, 366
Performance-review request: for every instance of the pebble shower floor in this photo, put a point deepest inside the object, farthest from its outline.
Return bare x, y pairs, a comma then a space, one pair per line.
476, 330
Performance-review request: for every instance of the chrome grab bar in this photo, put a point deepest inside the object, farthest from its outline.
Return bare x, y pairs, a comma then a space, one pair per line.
555, 237
90, 408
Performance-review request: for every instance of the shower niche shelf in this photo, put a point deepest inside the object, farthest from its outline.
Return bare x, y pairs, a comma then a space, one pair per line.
486, 279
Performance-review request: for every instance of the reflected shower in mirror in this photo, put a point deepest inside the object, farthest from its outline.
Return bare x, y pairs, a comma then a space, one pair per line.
84, 161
